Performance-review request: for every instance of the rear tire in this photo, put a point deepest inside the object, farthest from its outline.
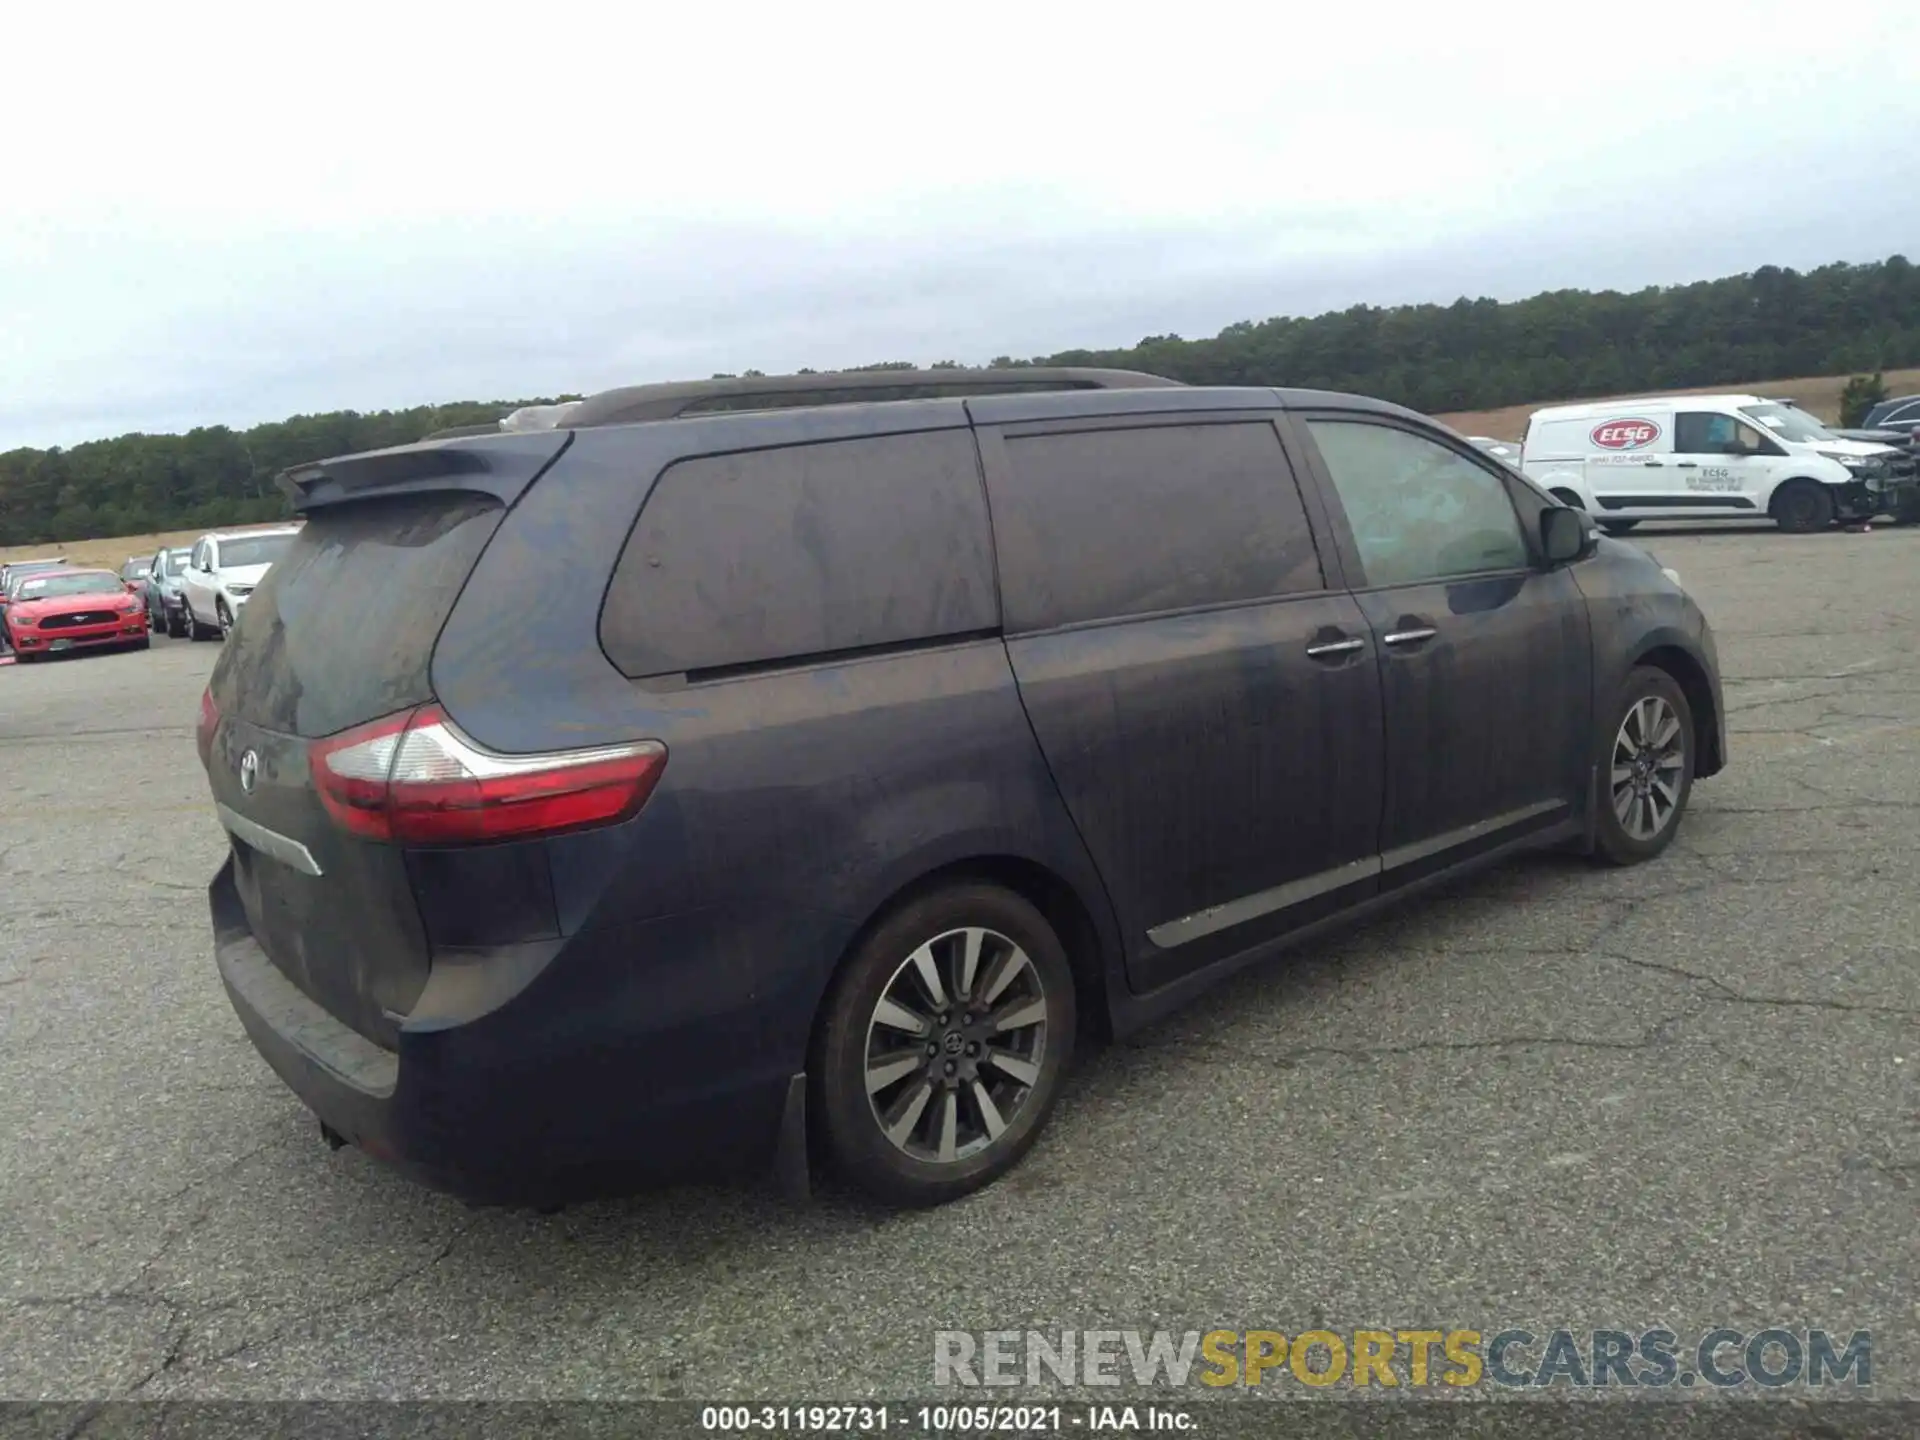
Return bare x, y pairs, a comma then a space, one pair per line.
195, 630
924, 1097
1646, 768
176, 624
225, 617
1802, 506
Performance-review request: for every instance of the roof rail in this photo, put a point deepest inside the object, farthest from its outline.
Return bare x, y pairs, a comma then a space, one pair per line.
458, 432
635, 403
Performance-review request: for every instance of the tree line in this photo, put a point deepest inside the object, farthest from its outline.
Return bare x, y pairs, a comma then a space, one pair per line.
1470, 355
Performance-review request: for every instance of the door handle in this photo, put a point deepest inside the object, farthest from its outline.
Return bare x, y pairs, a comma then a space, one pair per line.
1656, 464
1335, 647
1410, 637
1689, 465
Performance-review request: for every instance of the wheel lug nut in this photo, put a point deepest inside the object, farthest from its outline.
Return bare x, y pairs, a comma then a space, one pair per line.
933, 1049
949, 1067
945, 1017
973, 1049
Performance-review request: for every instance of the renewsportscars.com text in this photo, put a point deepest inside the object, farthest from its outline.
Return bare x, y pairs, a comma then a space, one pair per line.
1517, 1357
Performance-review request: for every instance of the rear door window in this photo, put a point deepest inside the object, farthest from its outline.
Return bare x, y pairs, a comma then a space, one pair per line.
1106, 523
801, 553
342, 629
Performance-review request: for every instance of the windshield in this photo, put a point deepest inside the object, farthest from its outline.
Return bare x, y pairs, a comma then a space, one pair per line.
1788, 423
137, 569
257, 550
85, 582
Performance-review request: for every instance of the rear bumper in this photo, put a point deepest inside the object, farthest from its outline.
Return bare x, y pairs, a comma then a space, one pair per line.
537, 1102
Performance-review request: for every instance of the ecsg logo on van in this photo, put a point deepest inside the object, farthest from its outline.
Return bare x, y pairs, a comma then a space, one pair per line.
1624, 434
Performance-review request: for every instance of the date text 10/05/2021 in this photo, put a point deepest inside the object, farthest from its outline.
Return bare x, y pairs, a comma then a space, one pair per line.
944, 1419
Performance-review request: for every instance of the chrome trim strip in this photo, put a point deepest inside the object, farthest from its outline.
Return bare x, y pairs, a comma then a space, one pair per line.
1422, 849
1251, 907
1265, 902
287, 851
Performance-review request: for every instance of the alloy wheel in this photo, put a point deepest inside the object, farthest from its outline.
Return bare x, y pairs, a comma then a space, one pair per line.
955, 1044
1649, 760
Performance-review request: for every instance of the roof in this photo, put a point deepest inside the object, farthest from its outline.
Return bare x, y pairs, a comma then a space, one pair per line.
1629, 403
633, 404
244, 534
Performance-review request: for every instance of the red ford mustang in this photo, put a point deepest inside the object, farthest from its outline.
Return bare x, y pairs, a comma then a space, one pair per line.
73, 610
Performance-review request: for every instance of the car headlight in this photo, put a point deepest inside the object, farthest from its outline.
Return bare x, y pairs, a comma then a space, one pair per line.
20, 622
1858, 464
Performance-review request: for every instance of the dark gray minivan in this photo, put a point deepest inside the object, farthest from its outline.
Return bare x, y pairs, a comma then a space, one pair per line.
749, 773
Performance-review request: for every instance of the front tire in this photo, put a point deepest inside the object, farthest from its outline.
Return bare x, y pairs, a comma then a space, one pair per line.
1646, 768
1801, 507
942, 1044
176, 624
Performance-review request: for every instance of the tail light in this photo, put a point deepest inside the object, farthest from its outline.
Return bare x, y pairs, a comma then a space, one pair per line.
209, 722
416, 778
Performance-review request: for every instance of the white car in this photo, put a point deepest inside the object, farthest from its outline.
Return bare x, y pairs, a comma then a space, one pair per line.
222, 572
1708, 457
1503, 450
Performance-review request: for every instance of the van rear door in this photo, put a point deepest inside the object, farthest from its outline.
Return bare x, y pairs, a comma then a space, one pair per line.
341, 633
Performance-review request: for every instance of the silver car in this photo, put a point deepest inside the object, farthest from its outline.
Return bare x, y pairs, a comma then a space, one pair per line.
165, 609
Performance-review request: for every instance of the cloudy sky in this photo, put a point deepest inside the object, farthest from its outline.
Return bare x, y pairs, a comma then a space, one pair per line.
221, 214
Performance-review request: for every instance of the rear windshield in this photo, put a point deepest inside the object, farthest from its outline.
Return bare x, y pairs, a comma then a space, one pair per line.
342, 629
254, 550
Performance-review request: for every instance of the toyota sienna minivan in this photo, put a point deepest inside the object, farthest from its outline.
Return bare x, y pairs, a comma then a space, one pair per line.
746, 776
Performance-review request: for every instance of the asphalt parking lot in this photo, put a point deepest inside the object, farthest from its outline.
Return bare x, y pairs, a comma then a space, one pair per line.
1687, 1093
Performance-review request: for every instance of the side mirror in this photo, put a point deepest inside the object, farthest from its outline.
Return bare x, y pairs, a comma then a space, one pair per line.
1566, 534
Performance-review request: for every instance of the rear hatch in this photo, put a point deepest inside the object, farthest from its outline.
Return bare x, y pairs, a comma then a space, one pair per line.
341, 632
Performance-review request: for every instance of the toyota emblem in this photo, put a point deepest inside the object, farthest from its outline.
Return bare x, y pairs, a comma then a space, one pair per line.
249, 772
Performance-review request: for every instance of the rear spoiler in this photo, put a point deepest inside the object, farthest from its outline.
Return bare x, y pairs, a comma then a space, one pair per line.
491, 463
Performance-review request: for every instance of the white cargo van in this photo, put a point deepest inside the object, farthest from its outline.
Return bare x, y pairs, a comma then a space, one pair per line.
1707, 457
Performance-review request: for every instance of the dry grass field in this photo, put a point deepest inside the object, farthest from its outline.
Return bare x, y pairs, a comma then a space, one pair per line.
112, 552
1818, 394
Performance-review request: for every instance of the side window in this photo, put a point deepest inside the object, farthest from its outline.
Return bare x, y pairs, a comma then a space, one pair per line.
1908, 414
199, 561
1707, 432
1097, 524
808, 550
1419, 510
1703, 432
